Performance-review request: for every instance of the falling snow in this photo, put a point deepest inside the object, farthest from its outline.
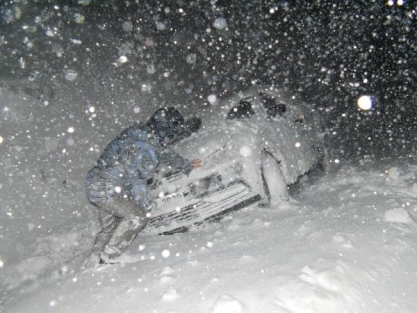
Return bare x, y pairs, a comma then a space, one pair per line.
212, 99
220, 23
71, 75
74, 75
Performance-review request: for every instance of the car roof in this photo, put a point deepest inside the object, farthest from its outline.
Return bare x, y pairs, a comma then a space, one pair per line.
214, 114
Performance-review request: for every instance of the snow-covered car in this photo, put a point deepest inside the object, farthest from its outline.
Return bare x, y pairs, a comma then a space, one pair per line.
252, 146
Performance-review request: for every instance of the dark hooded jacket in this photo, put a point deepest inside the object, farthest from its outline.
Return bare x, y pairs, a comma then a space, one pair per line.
131, 160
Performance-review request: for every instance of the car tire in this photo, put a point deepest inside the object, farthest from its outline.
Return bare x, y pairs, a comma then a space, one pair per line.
273, 180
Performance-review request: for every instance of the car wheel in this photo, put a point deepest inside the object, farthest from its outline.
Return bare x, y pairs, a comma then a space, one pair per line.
275, 187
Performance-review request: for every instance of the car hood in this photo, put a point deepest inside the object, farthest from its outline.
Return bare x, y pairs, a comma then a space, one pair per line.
203, 144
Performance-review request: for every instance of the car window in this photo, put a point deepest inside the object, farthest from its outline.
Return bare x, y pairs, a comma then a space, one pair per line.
272, 106
242, 110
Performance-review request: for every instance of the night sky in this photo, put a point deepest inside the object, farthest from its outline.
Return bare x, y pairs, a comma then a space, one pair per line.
329, 52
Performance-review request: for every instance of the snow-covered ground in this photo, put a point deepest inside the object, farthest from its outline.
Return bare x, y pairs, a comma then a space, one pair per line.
347, 242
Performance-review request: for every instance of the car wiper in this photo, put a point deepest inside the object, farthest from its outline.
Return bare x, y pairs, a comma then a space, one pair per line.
214, 152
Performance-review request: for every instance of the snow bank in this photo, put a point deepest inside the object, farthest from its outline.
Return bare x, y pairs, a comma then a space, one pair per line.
398, 215
228, 304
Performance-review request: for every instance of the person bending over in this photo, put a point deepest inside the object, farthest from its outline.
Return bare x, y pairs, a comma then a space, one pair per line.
118, 185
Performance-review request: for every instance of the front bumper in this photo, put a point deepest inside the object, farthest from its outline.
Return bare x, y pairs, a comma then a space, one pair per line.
178, 211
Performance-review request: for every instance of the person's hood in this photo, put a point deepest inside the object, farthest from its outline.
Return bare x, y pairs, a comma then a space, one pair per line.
166, 123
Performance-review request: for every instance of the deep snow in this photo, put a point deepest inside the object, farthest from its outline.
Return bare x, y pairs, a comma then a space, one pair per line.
346, 242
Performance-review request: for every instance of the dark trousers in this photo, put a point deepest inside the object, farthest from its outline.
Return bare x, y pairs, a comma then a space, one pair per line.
121, 220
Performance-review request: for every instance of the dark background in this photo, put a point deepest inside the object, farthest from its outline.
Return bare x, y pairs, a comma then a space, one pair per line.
330, 52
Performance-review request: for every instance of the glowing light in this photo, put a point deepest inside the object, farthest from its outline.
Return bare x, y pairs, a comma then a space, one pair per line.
297, 145
71, 130
365, 103
1, 139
